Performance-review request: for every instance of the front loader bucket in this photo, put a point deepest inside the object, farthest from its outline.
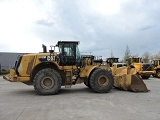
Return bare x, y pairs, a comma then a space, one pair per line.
137, 84
129, 81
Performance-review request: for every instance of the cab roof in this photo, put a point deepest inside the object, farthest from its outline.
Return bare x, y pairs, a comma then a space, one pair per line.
61, 42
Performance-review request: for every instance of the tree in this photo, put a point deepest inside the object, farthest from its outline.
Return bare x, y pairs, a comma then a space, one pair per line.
156, 56
112, 56
127, 54
146, 57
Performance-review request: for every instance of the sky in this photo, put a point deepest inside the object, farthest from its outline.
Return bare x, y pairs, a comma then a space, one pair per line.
102, 26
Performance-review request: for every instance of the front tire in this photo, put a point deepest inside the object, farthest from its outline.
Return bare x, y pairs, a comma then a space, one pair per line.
47, 82
101, 81
87, 83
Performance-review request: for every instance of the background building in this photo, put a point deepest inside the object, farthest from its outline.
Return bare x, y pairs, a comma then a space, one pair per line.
7, 60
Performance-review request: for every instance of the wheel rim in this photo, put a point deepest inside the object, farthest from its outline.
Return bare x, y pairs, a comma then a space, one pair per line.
103, 81
47, 82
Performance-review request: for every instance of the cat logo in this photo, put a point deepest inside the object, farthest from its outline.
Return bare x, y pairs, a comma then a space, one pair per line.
47, 58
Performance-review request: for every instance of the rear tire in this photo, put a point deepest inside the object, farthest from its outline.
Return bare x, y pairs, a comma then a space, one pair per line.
101, 81
47, 82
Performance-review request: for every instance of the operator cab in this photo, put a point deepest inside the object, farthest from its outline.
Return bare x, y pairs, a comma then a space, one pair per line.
134, 60
68, 52
111, 61
156, 63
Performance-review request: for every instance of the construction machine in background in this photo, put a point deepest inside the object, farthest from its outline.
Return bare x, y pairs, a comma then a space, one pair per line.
48, 71
156, 64
145, 70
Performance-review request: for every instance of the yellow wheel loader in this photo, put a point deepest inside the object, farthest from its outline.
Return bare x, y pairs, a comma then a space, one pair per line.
48, 71
156, 64
143, 69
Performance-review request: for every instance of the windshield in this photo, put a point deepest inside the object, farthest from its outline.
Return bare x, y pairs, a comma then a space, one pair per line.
60, 49
155, 62
70, 50
78, 56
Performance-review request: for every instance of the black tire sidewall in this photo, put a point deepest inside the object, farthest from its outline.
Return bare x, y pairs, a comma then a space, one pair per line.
94, 81
87, 83
50, 73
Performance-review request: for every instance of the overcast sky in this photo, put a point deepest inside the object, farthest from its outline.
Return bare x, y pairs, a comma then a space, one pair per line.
101, 26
